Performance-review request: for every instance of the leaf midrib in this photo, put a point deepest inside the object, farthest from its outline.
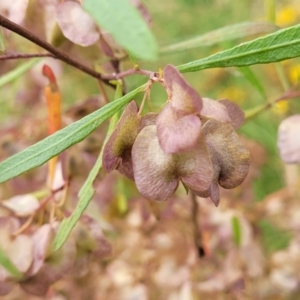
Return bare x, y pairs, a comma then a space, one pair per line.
278, 46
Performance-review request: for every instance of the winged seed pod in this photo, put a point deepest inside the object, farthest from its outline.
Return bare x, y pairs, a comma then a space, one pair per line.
157, 173
192, 140
117, 151
231, 160
179, 124
224, 111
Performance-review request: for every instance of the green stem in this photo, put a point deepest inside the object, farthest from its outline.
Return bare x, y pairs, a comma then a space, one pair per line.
4, 22
2, 43
282, 76
6, 263
18, 71
270, 12
253, 112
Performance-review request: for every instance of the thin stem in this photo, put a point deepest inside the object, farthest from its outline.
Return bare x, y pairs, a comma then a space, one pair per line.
288, 95
147, 91
129, 72
282, 76
101, 87
45, 45
197, 232
270, 13
24, 55
270, 10
55, 53
51, 195
42, 205
25, 225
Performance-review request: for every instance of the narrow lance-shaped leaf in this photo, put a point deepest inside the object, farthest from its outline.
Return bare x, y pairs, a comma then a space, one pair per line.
278, 46
86, 186
273, 238
17, 72
8, 265
125, 24
51, 146
220, 35
86, 192
2, 43
236, 230
252, 78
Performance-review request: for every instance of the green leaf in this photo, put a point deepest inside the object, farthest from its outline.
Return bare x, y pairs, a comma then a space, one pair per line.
252, 78
220, 35
254, 111
2, 43
270, 10
122, 204
86, 192
274, 239
6, 263
51, 146
281, 45
17, 72
122, 20
236, 230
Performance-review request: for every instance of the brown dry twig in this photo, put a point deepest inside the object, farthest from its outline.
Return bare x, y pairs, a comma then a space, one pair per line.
57, 54
45, 45
8, 56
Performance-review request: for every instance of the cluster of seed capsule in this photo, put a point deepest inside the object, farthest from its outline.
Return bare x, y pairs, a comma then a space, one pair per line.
192, 140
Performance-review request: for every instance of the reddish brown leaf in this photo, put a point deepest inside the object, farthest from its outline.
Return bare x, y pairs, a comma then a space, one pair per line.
53, 99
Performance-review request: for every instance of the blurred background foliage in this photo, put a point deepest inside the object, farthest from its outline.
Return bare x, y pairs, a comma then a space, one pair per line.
174, 21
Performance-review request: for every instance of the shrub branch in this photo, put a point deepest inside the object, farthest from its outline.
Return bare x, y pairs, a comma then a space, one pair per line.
4, 22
